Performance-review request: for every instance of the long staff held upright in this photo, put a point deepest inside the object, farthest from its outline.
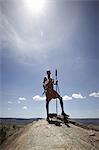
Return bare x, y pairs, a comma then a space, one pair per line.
56, 91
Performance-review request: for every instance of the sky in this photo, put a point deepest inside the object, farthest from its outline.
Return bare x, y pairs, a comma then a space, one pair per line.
49, 34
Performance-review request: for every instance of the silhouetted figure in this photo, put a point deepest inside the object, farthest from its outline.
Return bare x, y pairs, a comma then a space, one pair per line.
48, 85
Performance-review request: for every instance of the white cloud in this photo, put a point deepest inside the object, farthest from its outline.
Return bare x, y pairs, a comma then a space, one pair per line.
94, 94
39, 98
22, 99
78, 96
66, 97
24, 107
9, 102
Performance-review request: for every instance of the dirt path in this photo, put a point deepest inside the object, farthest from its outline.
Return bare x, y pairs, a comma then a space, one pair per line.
43, 136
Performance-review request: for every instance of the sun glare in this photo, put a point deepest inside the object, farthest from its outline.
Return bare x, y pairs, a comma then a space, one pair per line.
35, 6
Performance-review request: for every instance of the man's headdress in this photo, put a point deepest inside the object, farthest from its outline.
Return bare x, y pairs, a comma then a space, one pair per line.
48, 71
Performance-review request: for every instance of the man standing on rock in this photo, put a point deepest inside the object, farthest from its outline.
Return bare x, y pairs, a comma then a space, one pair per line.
50, 93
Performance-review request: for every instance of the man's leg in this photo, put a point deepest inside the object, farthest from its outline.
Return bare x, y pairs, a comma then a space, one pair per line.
47, 108
62, 107
61, 103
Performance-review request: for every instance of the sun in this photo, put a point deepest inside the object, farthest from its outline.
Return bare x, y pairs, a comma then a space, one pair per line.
35, 6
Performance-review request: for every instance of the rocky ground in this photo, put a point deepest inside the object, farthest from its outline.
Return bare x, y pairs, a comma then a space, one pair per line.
40, 135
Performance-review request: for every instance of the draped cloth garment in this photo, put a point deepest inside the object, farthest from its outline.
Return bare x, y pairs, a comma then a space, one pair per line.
50, 92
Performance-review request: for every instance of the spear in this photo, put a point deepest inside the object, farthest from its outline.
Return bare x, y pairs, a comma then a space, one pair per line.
56, 91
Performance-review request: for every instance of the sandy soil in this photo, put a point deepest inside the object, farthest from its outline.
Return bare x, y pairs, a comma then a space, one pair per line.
43, 136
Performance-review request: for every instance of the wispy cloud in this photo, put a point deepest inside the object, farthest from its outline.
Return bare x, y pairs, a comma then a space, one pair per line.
78, 96
22, 99
10, 34
39, 98
9, 102
66, 97
14, 40
94, 94
39, 39
24, 107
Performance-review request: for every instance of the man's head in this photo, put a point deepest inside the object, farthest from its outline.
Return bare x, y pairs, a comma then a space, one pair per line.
48, 73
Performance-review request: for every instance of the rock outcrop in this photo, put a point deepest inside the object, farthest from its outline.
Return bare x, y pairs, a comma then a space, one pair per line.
40, 135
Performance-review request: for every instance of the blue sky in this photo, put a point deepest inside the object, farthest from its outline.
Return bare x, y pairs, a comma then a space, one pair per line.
63, 35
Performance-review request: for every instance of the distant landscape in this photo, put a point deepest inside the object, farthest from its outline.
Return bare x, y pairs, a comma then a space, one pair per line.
18, 121
23, 121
